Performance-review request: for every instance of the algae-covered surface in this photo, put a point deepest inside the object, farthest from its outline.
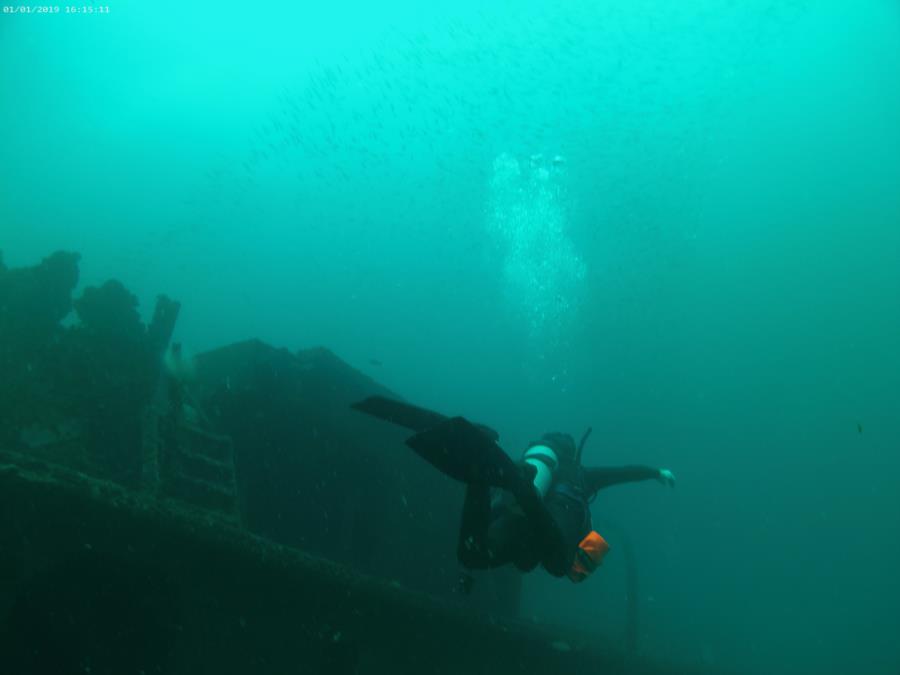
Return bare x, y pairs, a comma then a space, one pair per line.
100, 579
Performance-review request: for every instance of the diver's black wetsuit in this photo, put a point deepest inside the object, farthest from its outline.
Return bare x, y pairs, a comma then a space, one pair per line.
528, 532
517, 527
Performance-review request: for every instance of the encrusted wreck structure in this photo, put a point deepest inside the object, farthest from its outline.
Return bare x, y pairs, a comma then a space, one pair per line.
230, 514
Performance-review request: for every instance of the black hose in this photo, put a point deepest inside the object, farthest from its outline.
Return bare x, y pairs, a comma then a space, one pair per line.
581, 445
631, 586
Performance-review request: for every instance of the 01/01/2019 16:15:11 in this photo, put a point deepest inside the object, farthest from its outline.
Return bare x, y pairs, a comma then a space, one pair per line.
56, 9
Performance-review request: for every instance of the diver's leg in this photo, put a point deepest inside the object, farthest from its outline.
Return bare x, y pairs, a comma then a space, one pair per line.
495, 532
511, 541
518, 528
544, 534
472, 549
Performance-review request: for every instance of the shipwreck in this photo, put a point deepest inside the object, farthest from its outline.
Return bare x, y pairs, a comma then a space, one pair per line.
227, 514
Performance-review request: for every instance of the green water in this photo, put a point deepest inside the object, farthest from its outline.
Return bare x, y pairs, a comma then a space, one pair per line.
709, 272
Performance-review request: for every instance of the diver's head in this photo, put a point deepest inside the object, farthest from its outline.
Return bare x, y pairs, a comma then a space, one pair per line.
562, 444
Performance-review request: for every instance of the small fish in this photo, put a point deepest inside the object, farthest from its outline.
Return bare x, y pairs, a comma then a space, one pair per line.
859, 427
374, 362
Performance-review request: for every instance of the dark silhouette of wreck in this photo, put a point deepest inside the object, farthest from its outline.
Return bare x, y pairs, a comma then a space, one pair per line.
230, 514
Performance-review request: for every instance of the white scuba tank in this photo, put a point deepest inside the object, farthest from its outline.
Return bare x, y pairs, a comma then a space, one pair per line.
545, 462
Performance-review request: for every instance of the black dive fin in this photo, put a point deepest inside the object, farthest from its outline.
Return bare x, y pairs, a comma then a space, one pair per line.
462, 451
399, 413
409, 416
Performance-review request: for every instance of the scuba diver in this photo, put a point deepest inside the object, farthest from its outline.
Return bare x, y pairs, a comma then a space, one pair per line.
541, 515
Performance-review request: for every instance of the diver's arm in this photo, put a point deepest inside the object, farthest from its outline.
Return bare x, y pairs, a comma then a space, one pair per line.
602, 477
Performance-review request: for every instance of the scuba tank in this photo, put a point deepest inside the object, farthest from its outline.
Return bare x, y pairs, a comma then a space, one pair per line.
546, 457
545, 463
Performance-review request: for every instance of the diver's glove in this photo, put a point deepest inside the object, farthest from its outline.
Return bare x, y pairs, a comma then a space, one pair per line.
666, 477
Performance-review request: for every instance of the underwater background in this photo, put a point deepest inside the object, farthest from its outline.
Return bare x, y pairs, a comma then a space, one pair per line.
678, 223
